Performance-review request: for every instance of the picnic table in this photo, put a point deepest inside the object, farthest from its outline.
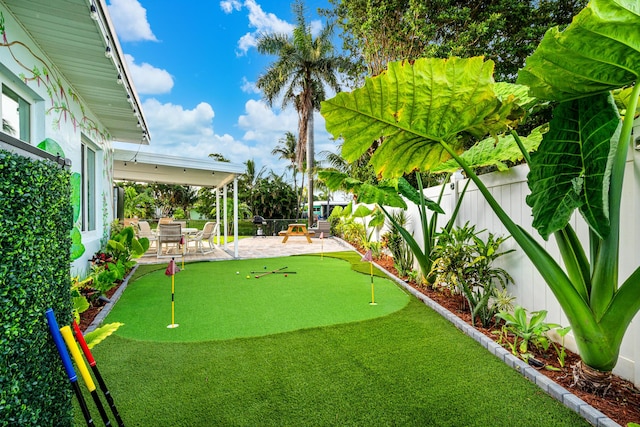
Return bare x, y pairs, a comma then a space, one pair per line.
296, 230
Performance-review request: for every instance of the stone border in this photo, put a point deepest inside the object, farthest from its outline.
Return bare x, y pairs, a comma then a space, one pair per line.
112, 301
568, 399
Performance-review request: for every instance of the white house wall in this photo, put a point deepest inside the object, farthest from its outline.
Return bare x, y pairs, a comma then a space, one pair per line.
19, 56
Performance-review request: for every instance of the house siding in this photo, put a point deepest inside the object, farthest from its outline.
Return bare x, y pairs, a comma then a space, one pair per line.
59, 115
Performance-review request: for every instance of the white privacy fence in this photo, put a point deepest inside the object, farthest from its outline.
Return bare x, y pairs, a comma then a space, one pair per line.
510, 190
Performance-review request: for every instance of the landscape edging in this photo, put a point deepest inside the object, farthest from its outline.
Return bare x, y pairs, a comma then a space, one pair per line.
112, 301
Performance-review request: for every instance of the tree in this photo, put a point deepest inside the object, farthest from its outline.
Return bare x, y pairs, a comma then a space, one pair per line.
169, 197
304, 65
248, 181
219, 157
274, 198
505, 31
286, 150
137, 203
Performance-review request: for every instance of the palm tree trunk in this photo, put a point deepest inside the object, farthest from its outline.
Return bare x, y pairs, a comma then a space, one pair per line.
310, 168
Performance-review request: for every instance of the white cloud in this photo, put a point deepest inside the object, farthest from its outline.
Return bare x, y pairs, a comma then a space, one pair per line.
189, 133
130, 20
261, 21
249, 87
262, 123
229, 5
148, 79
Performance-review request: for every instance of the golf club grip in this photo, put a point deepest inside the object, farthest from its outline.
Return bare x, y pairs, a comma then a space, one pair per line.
83, 344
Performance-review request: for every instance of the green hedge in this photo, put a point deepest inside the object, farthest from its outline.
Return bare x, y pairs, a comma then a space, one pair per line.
35, 224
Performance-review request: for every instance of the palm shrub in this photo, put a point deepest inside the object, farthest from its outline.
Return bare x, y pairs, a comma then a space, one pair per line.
402, 257
463, 262
579, 165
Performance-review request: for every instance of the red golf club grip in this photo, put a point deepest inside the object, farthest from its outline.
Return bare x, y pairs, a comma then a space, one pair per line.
83, 344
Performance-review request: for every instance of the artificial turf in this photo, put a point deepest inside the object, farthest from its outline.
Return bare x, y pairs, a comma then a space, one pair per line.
407, 368
225, 300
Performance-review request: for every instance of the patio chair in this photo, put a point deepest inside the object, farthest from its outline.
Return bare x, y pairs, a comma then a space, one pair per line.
208, 232
144, 230
182, 223
169, 234
165, 220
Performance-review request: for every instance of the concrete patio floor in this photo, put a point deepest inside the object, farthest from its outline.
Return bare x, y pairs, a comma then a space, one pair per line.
258, 247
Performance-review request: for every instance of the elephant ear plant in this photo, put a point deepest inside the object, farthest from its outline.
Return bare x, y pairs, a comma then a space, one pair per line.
426, 110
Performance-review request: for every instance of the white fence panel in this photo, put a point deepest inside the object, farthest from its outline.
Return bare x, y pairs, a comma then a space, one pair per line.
510, 189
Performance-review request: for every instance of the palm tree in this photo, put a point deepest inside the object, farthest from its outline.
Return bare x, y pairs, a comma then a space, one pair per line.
303, 67
286, 150
248, 181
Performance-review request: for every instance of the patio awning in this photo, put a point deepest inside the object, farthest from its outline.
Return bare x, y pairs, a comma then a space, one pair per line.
164, 169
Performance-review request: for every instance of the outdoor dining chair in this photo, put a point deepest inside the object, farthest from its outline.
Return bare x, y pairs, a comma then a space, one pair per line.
144, 230
207, 234
169, 234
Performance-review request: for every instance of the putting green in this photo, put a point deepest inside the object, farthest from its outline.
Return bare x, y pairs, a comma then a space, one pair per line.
216, 300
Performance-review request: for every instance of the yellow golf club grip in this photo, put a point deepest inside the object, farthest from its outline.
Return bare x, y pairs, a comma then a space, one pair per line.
77, 357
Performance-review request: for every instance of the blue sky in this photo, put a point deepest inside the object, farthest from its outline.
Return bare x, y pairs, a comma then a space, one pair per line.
194, 66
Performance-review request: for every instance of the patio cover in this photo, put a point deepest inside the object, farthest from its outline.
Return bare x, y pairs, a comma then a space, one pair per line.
165, 169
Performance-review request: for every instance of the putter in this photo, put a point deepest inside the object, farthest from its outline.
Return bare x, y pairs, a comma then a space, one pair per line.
270, 272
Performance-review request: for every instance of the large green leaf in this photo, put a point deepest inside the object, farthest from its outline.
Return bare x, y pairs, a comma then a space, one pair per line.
51, 146
599, 51
77, 248
382, 194
495, 152
100, 334
412, 194
572, 166
412, 107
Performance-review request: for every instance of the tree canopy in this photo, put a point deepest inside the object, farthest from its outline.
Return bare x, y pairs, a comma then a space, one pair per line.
504, 31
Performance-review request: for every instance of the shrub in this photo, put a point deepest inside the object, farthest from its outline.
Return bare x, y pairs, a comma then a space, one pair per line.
35, 224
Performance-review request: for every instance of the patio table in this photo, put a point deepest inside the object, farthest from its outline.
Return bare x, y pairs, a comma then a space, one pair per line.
296, 230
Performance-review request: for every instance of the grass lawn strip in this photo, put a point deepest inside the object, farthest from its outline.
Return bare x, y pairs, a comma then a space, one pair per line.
410, 368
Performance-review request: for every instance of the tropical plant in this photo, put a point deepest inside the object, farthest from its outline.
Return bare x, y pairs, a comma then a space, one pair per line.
286, 150
219, 157
274, 198
526, 331
124, 246
248, 181
137, 203
304, 66
463, 262
402, 256
386, 193
584, 151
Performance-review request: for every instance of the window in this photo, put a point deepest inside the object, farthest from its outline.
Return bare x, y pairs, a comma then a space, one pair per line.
88, 195
16, 113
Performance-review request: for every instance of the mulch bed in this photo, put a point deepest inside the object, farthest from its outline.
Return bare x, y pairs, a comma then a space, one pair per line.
621, 404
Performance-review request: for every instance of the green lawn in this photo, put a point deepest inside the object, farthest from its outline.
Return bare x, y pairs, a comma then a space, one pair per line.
225, 300
406, 367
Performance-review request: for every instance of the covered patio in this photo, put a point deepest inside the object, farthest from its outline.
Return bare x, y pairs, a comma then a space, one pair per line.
155, 168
